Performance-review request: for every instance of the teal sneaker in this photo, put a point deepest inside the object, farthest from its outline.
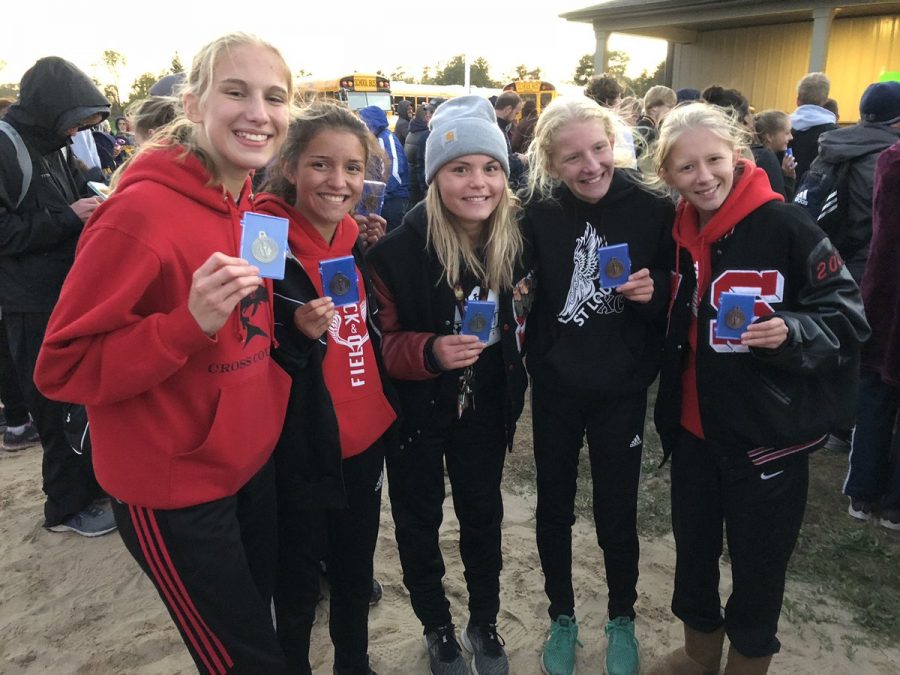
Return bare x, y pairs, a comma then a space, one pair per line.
559, 650
623, 651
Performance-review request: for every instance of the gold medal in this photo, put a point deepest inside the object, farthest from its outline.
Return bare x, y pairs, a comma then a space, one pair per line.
340, 284
735, 318
264, 248
614, 268
478, 323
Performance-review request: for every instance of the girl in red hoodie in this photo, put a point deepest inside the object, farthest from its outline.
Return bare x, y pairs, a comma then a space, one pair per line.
740, 411
330, 457
165, 335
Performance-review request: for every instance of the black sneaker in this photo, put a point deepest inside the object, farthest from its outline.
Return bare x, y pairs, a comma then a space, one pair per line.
23, 439
890, 519
377, 592
486, 647
444, 654
860, 509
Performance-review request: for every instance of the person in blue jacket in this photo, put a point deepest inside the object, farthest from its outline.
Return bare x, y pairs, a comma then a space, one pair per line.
396, 195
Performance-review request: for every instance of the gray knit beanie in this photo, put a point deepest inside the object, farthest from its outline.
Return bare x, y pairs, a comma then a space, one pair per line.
465, 125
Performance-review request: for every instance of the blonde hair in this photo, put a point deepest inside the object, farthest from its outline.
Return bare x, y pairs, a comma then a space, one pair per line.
502, 246
685, 118
306, 123
555, 117
198, 83
658, 96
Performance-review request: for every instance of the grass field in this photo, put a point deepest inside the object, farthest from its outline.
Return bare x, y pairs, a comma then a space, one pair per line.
857, 564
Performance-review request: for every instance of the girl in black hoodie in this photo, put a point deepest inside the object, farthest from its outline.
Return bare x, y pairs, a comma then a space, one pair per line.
591, 353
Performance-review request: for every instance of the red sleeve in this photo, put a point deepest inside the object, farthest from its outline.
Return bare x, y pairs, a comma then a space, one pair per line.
403, 351
101, 345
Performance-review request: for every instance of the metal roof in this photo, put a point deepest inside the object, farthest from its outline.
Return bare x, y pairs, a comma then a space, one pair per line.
677, 19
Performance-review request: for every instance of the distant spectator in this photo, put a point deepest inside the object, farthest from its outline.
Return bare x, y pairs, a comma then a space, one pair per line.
605, 90
167, 85
860, 145
509, 104
396, 195
832, 106
124, 137
687, 94
149, 114
404, 115
414, 148
657, 102
521, 136
773, 131
41, 231
810, 120
873, 480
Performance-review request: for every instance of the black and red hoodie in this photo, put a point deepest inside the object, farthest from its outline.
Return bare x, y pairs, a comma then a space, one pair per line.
338, 406
177, 418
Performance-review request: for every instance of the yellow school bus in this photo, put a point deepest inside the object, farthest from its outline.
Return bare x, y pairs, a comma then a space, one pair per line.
357, 90
542, 93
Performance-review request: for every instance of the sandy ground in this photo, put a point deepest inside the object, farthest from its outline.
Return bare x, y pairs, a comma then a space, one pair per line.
72, 605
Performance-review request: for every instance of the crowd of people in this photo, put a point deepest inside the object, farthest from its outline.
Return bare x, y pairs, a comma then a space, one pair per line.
240, 421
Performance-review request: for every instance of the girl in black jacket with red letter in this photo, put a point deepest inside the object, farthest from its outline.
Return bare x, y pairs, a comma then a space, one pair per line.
740, 414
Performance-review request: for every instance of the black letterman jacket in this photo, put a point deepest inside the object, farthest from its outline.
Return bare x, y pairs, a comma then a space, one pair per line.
766, 405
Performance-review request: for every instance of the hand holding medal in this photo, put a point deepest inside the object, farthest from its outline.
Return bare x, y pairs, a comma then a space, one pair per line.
313, 318
639, 287
218, 285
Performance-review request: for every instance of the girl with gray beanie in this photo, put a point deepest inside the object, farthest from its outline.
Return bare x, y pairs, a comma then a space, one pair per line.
460, 394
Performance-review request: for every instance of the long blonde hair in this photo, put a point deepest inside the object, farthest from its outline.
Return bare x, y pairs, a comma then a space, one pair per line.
181, 130
502, 247
557, 116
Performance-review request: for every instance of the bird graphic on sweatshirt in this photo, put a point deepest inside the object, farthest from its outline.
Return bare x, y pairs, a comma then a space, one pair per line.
585, 276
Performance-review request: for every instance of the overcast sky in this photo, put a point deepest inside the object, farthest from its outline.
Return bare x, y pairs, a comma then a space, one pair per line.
325, 38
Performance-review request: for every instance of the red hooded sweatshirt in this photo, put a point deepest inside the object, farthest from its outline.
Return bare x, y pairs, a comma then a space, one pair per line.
177, 418
750, 191
349, 367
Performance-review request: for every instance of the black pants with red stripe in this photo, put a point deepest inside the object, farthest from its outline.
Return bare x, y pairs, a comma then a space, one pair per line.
213, 565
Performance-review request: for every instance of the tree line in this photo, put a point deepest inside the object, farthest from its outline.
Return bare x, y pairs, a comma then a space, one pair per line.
451, 72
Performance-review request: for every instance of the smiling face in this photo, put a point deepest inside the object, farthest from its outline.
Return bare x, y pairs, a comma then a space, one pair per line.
329, 176
242, 120
471, 187
700, 166
582, 158
779, 140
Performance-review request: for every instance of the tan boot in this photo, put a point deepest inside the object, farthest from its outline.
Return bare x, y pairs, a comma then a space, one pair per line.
738, 664
701, 655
